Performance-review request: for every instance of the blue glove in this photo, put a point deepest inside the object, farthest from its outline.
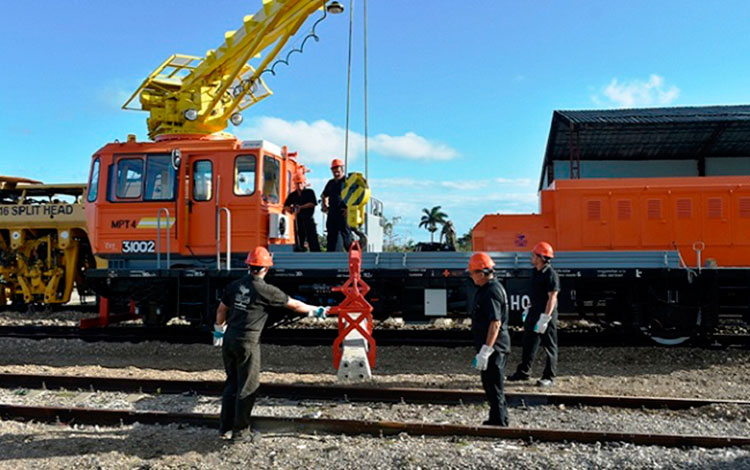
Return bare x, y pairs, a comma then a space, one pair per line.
219, 334
319, 312
541, 325
482, 357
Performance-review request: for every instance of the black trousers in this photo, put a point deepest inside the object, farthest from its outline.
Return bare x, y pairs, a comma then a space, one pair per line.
307, 232
242, 365
531, 342
492, 381
335, 225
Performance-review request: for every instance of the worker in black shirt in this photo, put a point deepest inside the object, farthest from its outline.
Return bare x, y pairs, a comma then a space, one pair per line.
335, 208
489, 326
301, 202
540, 324
241, 315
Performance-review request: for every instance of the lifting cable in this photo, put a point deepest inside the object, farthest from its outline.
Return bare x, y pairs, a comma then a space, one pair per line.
348, 86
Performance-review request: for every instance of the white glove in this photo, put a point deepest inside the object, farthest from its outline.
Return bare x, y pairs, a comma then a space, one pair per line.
480, 360
319, 312
219, 331
541, 325
524, 314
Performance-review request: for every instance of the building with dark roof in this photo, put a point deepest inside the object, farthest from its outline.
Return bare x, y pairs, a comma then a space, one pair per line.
652, 142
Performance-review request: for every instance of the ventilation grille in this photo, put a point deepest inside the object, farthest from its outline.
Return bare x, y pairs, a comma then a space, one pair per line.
624, 209
684, 208
653, 208
745, 207
594, 210
714, 208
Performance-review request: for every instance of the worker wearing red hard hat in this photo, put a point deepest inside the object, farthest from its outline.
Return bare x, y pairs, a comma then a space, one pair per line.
336, 209
489, 327
301, 202
540, 319
240, 318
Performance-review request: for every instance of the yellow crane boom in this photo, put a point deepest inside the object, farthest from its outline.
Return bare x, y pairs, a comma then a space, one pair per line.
198, 95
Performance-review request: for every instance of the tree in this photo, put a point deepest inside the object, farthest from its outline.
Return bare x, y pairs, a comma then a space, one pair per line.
431, 219
464, 242
393, 242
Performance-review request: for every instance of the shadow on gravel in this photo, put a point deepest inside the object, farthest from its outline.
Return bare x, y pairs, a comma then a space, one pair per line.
144, 442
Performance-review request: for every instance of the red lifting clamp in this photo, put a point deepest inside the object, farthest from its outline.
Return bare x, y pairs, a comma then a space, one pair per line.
355, 313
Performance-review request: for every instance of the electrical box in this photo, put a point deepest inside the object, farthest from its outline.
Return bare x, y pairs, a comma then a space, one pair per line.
435, 302
279, 226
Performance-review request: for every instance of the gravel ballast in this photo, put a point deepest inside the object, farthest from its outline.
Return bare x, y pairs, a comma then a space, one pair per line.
681, 372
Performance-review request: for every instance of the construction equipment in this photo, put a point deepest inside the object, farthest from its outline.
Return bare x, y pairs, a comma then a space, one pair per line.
44, 245
199, 95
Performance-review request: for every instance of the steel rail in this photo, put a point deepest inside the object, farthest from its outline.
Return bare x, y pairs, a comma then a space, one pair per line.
326, 336
350, 393
355, 427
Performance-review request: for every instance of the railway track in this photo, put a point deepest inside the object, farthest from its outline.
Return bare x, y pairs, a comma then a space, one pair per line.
349, 393
326, 336
358, 427
353, 427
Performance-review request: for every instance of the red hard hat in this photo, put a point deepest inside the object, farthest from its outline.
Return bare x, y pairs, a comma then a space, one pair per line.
259, 257
544, 249
298, 178
336, 162
480, 261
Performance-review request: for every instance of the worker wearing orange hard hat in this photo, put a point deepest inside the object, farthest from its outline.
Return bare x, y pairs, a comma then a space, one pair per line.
336, 224
301, 202
540, 319
240, 318
489, 327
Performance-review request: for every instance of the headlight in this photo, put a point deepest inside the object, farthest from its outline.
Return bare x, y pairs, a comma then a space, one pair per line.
191, 114
236, 119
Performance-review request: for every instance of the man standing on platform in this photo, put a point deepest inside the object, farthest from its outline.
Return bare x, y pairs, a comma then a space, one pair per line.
301, 202
336, 209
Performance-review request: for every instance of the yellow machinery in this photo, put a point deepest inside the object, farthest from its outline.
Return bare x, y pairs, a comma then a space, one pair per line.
199, 95
44, 246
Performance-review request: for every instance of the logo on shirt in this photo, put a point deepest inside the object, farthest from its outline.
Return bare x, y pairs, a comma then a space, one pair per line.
242, 299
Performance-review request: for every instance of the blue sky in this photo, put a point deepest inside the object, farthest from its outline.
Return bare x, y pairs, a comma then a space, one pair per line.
461, 94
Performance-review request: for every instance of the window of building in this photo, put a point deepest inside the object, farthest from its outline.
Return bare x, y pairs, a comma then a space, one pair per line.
244, 175
202, 180
129, 178
94, 181
271, 179
160, 178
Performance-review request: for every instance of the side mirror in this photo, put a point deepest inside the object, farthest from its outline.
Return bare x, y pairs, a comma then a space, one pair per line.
176, 159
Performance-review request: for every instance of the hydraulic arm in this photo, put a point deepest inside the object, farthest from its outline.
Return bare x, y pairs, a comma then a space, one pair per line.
198, 95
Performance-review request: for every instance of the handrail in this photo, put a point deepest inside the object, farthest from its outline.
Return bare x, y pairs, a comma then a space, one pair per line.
158, 237
229, 238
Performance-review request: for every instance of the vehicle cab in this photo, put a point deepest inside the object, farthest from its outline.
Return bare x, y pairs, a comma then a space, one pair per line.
198, 201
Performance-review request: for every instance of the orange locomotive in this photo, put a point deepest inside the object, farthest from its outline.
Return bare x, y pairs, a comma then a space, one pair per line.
702, 217
195, 197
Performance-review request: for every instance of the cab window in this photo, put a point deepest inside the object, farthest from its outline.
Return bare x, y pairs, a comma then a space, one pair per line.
129, 178
94, 182
160, 176
289, 187
244, 175
202, 178
271, 179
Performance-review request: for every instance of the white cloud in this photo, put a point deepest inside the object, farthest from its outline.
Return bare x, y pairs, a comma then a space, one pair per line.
638, 93
320, 141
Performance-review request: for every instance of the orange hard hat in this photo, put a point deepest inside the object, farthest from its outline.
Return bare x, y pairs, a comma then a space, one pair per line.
336, 162
298, 178
259, 257
544, 249
480, 261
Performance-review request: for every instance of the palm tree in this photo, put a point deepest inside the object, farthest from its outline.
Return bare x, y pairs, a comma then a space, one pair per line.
431, 219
